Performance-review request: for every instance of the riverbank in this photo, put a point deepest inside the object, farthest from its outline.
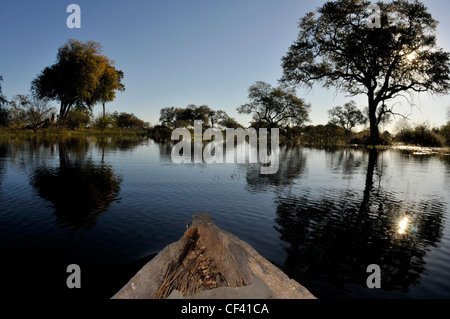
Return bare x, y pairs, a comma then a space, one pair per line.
9, 134
421, 150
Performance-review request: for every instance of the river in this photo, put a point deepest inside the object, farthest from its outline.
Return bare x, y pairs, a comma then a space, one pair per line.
109, 205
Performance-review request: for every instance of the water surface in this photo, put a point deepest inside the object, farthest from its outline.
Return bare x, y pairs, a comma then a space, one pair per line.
109, 205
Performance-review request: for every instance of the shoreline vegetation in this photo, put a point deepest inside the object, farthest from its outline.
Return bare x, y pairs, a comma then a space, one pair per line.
10, 134
418, 140
77, 93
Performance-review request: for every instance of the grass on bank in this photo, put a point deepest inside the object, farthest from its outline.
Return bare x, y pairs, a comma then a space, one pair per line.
419, 135
12, 134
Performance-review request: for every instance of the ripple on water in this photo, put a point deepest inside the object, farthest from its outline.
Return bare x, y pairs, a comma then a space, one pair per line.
321, 215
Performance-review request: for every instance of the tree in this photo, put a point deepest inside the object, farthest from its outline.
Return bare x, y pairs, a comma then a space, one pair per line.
80, 78
202, 113
102, 121
128, 121
186, 117
275, 106
3, 100
230, 122
216, 116
29, 111
179, 117
223, 119
4, 114
338, 48
445, 133
168, 116
110, 82
173, 117
347, 117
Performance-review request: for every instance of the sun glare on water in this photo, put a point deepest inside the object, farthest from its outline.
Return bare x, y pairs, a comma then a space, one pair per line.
402, 225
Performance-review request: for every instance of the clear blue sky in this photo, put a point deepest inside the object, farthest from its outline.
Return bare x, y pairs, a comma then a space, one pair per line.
180, 52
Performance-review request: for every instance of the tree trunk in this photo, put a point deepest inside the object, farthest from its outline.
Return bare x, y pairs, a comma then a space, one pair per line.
374, 133
104, 113
62, 112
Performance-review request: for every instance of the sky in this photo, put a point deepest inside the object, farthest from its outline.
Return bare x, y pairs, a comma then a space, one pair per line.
181, 52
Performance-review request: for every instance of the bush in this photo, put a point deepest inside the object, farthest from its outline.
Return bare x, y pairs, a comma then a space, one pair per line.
4, 116
77, 119
361, 138
160, 133
421, 135
30, 112
320, 135
128, 121
386, 138
444, 132
102, 122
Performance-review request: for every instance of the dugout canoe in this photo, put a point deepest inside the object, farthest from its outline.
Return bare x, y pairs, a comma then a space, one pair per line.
208, 262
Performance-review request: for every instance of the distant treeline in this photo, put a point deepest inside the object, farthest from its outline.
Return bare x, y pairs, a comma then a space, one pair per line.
331, 134
27, 112
270, 107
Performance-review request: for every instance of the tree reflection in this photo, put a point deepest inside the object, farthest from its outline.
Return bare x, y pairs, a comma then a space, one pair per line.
292, 165
446, 159
107, 143
79, 188
344, 160
165, 151
3, 153
333, 239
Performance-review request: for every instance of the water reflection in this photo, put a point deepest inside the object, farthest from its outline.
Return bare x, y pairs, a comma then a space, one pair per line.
3, 152
334, 240
165, 151
107, 143
446, 159
344, 161
79, 187
291, 167
336, 212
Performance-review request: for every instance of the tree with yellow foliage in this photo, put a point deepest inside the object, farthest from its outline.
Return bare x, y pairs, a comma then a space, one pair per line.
81, 78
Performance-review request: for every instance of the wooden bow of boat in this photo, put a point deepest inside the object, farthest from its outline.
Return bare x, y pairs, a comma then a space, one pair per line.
209, 262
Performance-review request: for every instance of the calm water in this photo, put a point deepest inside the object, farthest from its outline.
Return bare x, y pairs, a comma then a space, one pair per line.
110, 205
